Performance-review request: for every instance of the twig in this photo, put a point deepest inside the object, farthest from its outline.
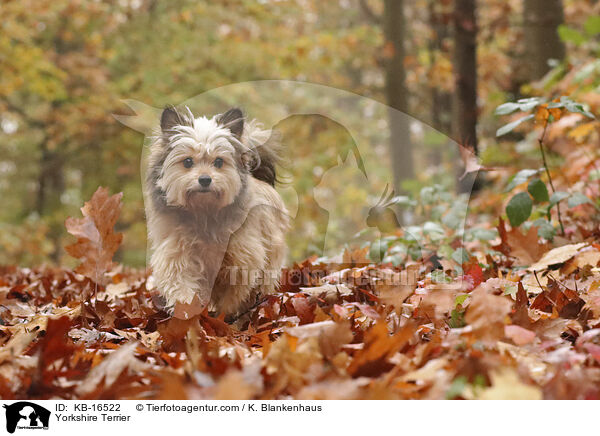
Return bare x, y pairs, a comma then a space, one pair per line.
541, 144
258, 302
538, 280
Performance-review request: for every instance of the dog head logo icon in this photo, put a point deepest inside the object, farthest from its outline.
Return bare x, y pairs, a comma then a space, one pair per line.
25, 414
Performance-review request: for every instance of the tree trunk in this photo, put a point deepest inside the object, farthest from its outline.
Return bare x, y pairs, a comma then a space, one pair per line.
400, 144
441, 100
542, 43
465, 66
51, 185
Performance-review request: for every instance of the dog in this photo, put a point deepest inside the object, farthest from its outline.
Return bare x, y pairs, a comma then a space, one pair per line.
216, 224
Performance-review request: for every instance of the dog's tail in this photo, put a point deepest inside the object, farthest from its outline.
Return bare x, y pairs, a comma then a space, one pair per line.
267, 147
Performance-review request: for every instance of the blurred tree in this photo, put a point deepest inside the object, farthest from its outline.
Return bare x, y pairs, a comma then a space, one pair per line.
54, 86
441, 99
465, 67
396, 93
542, 42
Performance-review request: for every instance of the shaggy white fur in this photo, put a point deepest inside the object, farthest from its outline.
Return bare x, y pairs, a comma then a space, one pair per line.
224, 242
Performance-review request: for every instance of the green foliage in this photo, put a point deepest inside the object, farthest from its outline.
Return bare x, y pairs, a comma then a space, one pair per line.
568, 34
545, 228
459, 384
520, 178
444, 216
591, 28
512, 125
538, 191
529, 104
592, 25
577, 198
518, 209
557, 197
571, 106
594, 175
523, 105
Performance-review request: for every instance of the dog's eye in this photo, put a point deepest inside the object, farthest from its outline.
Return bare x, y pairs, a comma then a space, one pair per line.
218, 162
188, 162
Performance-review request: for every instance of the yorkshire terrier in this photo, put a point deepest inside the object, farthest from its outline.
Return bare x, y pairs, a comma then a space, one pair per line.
215, 221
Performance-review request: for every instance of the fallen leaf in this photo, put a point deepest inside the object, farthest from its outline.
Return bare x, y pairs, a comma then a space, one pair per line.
331, 335
519, 335
525, 247
487, 313
96, 240
327, 292
189, 310
506, 385
556, 256
110, 368
372, 360
117, 290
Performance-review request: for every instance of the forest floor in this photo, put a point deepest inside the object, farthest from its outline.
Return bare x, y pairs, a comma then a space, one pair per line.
346, 330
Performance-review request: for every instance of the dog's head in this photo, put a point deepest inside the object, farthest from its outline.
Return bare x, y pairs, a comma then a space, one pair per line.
200, 163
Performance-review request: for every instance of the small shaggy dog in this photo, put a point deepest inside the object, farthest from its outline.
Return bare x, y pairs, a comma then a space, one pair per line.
215, 222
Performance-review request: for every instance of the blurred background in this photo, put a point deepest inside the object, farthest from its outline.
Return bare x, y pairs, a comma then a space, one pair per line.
66, 66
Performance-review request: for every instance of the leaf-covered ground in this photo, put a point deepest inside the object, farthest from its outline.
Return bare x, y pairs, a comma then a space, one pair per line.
353, 331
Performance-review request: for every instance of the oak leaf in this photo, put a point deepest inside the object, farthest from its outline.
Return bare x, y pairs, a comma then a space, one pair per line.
525, 247
97, 241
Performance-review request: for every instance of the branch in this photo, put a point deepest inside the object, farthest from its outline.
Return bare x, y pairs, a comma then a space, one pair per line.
541, 144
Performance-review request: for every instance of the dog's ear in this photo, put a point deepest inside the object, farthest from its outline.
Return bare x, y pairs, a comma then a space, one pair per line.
171, 117
233, 119
249, 160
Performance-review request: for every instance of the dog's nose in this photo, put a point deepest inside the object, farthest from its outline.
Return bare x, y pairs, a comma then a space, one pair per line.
204, 181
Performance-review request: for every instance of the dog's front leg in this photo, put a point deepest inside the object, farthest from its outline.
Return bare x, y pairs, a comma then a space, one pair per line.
178, 272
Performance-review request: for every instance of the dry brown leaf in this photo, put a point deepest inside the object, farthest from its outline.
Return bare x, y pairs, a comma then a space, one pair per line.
487, 313
327, 292
519, 335
24, 334
110, 368
525, 247
289, 362
559, 300
506, 385
233, 387
379, 346
334, 389
189, 310
556, 256
436, 304
531, 361
117, 290
96, 240
582, 259
149, 340
331, 335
